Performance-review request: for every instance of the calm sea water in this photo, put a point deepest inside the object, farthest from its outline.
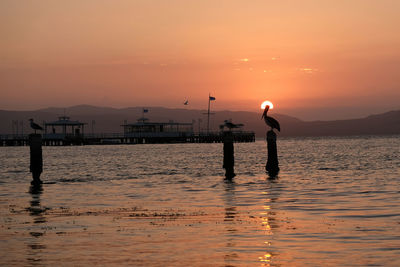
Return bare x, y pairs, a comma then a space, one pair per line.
335, 203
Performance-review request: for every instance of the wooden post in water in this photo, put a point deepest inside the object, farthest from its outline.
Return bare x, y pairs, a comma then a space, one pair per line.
272, 166
36, 166
229, 159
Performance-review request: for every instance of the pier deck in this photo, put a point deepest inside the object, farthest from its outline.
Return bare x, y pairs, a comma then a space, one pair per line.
121, 138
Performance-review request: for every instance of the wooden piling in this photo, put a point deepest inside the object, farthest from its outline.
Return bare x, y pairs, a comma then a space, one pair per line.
36, 166
272, 166
229, 159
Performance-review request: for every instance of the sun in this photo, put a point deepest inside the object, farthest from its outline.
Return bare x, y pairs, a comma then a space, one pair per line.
267, 103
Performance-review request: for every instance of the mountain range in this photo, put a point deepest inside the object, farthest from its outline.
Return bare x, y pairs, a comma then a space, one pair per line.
109, 120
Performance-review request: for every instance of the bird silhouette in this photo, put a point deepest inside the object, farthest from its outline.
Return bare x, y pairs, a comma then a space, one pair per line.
35, 126
230, 125
271, 122
186, 102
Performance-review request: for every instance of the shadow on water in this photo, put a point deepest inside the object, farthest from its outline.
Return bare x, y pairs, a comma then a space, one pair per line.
229, 221
36, 212
273, 175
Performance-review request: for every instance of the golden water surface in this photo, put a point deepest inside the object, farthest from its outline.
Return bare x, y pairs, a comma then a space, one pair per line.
335, 203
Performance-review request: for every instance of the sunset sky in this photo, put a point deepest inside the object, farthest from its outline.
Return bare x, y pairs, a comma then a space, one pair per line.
317, 59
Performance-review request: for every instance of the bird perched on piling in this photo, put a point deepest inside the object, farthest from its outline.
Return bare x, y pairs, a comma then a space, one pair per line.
230, 125
271, 122
35, 126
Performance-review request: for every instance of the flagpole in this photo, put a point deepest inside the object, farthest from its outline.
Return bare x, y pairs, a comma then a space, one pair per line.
144, 110
208, 114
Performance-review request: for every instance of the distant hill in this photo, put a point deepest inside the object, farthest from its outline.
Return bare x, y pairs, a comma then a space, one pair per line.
108, 120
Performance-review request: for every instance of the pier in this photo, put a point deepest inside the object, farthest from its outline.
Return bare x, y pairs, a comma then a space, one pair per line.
66, 132
125, 138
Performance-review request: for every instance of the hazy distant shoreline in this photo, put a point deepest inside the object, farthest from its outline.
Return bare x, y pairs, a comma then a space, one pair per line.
107, 120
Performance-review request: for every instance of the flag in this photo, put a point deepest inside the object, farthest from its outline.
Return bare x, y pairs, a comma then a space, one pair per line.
212, 98
145, 110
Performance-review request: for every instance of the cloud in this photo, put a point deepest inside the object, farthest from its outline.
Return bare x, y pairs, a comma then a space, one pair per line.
308, 70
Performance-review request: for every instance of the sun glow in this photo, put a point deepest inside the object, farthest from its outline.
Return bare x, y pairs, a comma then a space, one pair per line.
267, 103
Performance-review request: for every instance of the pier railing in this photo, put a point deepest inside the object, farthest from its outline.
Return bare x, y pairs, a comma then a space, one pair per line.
126, 138
13, 136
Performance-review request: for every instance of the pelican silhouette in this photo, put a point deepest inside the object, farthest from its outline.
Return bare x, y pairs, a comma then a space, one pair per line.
271, 122
35, 126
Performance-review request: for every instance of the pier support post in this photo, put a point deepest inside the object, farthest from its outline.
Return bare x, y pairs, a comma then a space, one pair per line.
272, 166
229, 159
36, 166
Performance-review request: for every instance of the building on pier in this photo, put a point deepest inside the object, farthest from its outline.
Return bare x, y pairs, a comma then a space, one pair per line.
144, 128
64, 128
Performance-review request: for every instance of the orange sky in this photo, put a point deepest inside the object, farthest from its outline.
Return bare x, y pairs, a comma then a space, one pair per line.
317, 59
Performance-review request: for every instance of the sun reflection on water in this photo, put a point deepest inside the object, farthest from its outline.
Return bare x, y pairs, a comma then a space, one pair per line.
268, 225
266, 258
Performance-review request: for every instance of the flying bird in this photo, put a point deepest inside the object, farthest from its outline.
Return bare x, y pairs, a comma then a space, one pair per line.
35, 126
271, 122
186, 102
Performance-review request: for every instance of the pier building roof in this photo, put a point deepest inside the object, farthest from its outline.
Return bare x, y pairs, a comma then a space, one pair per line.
64, 120
143, 125
146, 123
